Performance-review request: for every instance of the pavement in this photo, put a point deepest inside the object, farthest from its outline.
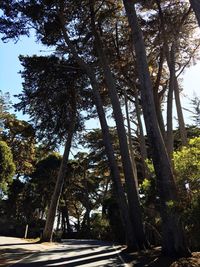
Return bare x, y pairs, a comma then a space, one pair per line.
18, 252
13, 249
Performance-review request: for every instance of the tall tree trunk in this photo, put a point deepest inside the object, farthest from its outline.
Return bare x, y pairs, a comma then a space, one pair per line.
157, 97
173, 242
196, 7
130, 143
173, 86
170, 135
182, 129
123, 206
170, 57
69, 228
142, 143
48, 230
133, 199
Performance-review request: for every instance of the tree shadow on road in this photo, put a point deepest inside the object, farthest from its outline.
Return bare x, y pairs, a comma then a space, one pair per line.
96, 258
11, 255
19, 244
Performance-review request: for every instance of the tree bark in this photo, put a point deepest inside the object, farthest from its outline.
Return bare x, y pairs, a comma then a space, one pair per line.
66, 211
133, 199
173, 238
48, 230
157, 97
170, 136
196, 7
170, 57
142, 143
123, 206
130, 143
182, 129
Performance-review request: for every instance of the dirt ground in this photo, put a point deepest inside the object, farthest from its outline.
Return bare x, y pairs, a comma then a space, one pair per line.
154, 258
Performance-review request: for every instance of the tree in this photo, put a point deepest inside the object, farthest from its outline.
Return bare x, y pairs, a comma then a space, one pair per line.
52, 29
172, 41
97, 99
171, 227
20, 136
129, 172
42, 181
7, 167
28, 200
50, 94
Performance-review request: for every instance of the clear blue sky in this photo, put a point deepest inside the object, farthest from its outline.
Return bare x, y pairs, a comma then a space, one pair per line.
10, 80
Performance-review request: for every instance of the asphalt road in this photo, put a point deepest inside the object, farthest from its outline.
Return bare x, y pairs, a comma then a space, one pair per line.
71, 253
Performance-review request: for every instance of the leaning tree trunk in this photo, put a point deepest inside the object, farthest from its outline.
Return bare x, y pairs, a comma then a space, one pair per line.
122, 203
170, 136
173, 238
48, 230
133, 199
123, 206
158, 95
130, 143
182, 129
196, 7
173, 86
141, 137
170, 57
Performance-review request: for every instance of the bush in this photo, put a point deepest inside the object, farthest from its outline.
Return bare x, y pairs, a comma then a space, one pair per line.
7, 166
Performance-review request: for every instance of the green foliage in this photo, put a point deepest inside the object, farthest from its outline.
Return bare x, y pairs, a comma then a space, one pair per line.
7, 166
112, 214
27, 200
187, 167
146, 184
187, 164
20, 136
186, 161
43, 179
50, 88
100, 227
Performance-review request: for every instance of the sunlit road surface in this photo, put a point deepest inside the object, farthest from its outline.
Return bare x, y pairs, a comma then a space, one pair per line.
83, 253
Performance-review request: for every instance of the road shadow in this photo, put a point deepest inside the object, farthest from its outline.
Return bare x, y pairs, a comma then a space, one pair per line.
18, 244
62, 257
10, 255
